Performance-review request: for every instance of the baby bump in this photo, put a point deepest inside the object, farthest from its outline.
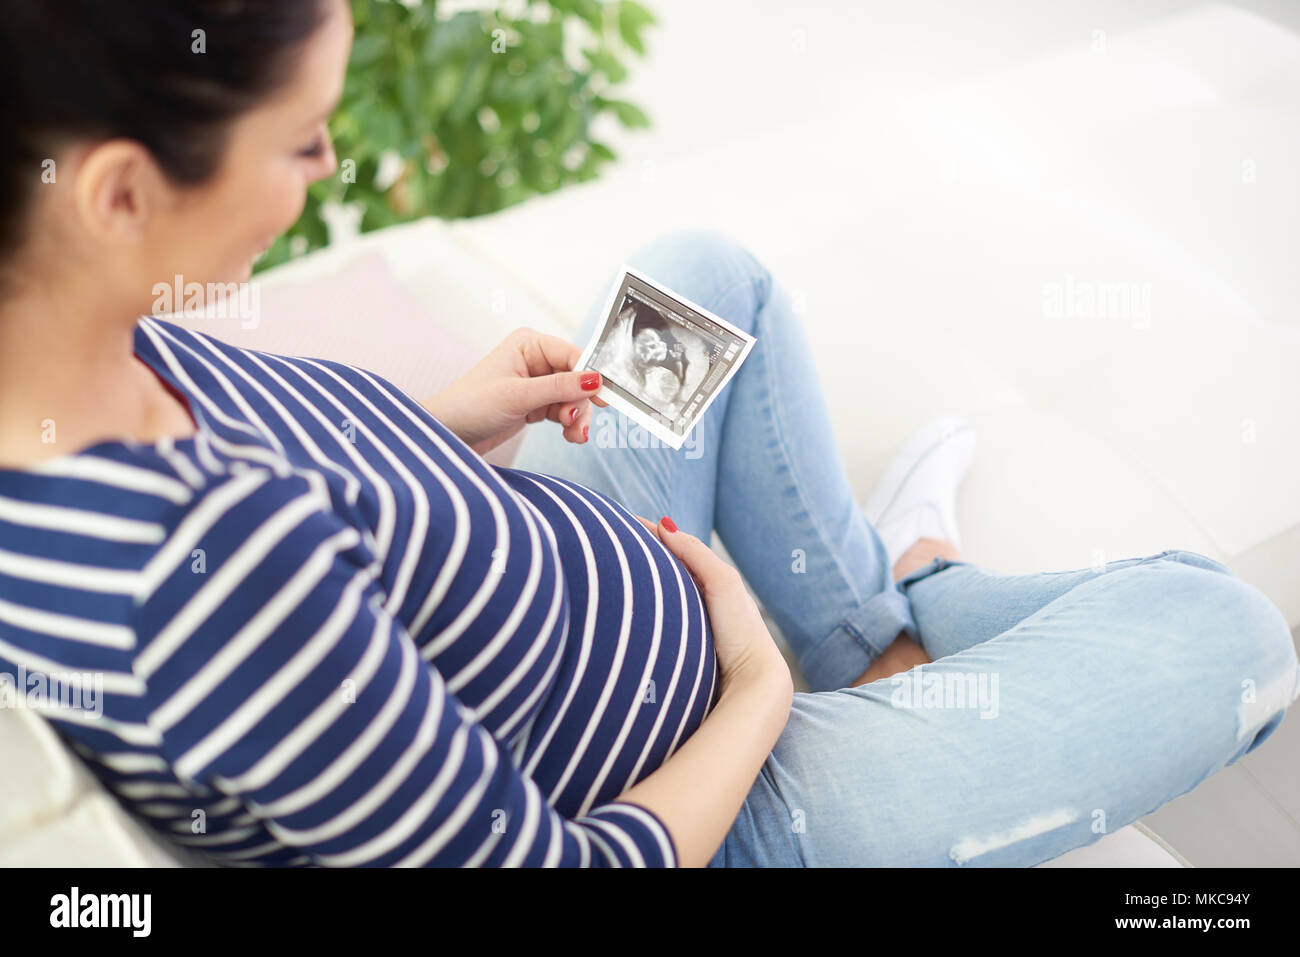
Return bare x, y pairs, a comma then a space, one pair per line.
637, 674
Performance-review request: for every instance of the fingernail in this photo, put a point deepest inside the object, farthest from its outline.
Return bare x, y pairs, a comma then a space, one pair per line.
668, 523
590, 381
585, 428
573, 415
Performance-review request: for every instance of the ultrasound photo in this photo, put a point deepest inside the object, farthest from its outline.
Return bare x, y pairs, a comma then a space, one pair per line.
663, 359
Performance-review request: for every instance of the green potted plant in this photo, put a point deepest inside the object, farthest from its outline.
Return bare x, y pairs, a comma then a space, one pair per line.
470, 113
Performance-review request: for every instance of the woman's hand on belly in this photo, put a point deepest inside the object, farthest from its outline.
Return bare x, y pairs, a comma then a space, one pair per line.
700, 789
745, 648
527, 378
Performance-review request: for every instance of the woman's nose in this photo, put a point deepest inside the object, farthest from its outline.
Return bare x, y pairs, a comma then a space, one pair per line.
329, 162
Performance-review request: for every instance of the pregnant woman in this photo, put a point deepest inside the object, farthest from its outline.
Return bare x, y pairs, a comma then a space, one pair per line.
291, 617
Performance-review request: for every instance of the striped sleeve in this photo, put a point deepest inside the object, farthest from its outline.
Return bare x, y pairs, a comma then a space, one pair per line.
275, 673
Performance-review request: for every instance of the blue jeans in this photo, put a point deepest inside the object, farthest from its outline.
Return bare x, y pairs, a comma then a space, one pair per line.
1059, 707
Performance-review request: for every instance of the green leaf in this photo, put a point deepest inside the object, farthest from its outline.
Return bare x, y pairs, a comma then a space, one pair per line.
602, 61
446, 84
455, 36
367, 49
473, 84
590, 11
629, 114
632, 21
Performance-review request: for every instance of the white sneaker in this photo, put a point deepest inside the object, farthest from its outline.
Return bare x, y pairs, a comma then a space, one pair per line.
917, 496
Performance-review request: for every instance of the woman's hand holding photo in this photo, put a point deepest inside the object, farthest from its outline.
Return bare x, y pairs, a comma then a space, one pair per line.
527, 378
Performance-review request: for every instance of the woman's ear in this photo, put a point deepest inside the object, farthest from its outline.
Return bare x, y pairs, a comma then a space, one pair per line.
117, 187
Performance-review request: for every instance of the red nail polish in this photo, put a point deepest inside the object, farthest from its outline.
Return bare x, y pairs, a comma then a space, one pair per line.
585, 428
590, 381
668, 523
573, 415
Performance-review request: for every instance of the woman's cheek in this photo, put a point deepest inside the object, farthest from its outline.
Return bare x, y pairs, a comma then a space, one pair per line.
281, 200
290, 203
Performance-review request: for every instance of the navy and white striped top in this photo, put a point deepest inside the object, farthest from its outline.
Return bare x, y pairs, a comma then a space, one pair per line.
326, 632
